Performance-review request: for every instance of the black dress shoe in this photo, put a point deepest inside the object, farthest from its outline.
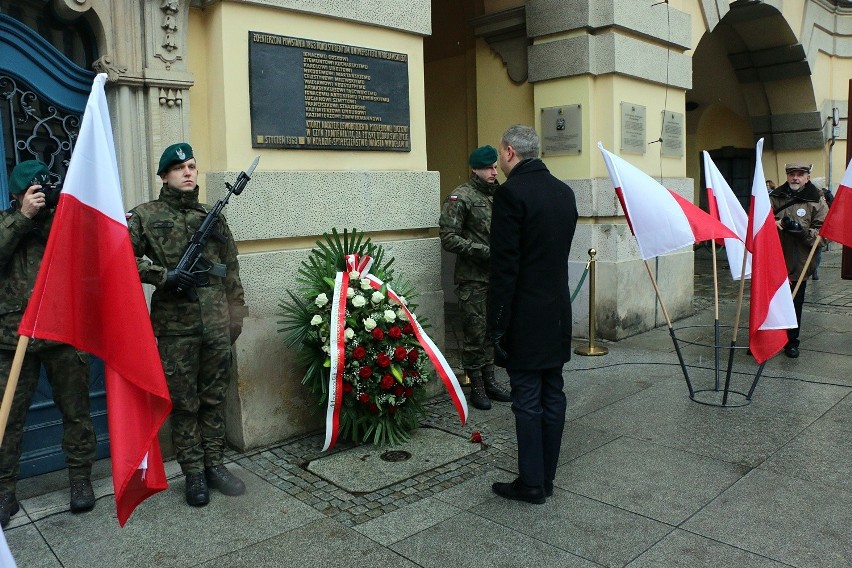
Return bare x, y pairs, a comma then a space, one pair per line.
8, 507
218, 477
791, 352
197, 493
517, 491
82, 496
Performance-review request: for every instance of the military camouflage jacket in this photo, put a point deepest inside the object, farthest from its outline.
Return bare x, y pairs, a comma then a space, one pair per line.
466, 227
160, 231
22, 244
808, 207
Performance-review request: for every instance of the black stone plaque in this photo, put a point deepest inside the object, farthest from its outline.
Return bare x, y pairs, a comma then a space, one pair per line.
315, 95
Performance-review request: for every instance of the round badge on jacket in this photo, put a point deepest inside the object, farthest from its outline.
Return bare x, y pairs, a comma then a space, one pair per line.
800, 212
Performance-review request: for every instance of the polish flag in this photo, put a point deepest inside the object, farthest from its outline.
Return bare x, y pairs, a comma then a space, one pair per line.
661, 220
725, 207
88, 294
771, 310
837, 226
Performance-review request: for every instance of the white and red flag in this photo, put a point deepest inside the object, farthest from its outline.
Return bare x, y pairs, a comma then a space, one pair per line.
661, 220
771, 310
837, 226
725, 207
88, 294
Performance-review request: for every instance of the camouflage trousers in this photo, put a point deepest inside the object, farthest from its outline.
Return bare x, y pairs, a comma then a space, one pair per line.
477, 349
198, 371
68, 374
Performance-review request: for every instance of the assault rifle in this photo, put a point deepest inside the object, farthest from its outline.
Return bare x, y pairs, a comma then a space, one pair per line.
192, 260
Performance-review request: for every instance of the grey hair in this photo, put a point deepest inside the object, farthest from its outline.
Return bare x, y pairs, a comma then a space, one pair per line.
523, 139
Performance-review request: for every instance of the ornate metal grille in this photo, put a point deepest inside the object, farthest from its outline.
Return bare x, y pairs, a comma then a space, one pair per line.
34, 129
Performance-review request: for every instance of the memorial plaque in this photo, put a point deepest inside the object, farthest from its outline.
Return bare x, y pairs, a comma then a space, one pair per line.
633, 137
561, 130
672, 134
315, 95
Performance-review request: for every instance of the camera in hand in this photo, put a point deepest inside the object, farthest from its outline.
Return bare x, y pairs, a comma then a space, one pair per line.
51, 190
788, 224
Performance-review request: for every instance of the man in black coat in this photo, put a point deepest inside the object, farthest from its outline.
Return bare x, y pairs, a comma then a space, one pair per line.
529, 307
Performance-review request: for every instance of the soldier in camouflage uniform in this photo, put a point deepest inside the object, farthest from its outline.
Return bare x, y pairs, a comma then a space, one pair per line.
194, 336
465, 229
23, 235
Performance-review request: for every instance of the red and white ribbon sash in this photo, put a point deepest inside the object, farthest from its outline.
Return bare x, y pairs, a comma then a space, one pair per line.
337, 352
362, 265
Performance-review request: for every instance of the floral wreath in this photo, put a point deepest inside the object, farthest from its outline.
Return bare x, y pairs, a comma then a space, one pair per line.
363, 347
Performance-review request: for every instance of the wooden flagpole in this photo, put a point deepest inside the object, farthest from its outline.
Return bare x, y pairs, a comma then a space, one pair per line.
12, 384
811, 254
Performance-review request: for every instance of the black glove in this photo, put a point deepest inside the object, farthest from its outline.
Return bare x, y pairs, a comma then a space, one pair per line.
236, 329
179, 278
496, 339
791, 226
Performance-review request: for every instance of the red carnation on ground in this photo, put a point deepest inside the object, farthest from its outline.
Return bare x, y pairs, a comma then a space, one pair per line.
359, 352
399, 354
395, 332
387, 382
365, 372
364, 398
476, 437
413, 355
378, 334
383, 360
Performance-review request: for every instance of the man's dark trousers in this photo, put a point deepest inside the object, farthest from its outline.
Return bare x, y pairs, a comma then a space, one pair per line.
798, 303
539, 406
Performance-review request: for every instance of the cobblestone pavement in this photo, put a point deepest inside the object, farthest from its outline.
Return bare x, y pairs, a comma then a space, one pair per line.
284, 465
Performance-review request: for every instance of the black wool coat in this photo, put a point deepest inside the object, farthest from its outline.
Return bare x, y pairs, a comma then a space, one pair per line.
529, 301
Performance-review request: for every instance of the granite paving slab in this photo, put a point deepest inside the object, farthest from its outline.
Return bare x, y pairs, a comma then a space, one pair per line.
407, 520
29, 547
681, 549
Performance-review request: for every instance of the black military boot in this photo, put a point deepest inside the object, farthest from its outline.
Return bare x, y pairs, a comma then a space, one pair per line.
493, 388
8, 507
218, 477
478, 398
197, 493
82, 496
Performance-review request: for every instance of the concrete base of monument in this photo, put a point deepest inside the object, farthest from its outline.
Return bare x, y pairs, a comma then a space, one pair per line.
367, 468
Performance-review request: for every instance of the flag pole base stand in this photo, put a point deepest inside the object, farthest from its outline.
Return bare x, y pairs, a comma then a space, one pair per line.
719, 396
591, 350
713, 397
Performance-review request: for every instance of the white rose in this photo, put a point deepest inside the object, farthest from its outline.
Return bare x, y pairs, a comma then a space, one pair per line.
359, 301
316, 320
389, 316
365, 284
321, 300
349, 333
326, 348
401, 315
403, 300
354, 275
369, 324
377, 297
350, 292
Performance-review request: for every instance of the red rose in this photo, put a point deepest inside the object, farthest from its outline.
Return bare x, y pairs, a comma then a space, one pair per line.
364, 398
383, 360
413, 355
387, 382
365, 372
378, 334
414, 373
391, 410
347, 388
408, 329
395, 332
374, 408
359, 352
399, 354
398, 391
408, 392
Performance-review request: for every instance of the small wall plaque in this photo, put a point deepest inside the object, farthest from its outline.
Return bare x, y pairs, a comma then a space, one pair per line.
672, 134
633, 136
561, 130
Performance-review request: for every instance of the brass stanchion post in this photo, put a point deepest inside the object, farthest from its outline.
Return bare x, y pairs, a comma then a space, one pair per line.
591, 349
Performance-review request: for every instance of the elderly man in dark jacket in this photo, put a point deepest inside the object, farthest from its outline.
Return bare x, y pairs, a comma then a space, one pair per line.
529, 307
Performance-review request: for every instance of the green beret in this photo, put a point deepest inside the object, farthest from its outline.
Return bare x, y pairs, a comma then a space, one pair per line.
28, 173
174, 154
483, 157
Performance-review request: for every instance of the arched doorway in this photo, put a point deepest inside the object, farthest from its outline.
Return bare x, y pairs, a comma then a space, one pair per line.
42, 97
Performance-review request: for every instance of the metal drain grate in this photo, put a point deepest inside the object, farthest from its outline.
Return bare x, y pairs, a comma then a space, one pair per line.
395, 456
